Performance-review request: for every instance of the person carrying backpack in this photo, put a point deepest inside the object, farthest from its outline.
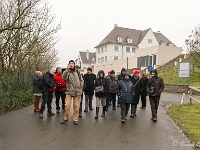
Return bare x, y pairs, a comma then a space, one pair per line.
37, 89
74, 86
112, 83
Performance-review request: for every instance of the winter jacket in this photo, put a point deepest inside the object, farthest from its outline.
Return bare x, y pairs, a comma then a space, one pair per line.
155, 86
136, 84
125, 91
99, 82
74, 82
37, 84
143, 86
89, 80
48, 82
60, 83
111, 84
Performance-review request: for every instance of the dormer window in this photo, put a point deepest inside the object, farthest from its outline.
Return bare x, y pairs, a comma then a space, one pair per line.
130, 40
119, 39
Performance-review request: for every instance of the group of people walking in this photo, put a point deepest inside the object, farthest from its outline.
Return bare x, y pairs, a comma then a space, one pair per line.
123, 90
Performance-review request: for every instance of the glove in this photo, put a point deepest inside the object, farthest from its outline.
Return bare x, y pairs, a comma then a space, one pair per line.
53, 89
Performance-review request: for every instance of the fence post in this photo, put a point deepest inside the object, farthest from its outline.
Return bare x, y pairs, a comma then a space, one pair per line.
190, 95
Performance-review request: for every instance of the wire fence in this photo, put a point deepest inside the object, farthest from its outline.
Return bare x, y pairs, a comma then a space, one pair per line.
15, 90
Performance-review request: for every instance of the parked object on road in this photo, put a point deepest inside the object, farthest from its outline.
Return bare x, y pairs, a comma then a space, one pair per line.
37, 89
125, 94
155, 87
143, 89
136, 82
89, 80
100, 96
48, 89
74, 86
60, 89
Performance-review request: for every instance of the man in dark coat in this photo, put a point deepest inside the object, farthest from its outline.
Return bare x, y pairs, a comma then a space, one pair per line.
155, 87
121, 76
136, 83
143, 89
125, 94
89, 80
48, 88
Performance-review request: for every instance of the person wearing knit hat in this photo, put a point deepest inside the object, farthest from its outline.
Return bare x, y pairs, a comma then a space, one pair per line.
89, 79
112, 90
136, 82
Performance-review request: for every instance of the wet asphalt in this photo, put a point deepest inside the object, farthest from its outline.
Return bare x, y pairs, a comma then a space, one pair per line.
23, 130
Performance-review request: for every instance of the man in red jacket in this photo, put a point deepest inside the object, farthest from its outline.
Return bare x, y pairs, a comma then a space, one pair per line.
60, 88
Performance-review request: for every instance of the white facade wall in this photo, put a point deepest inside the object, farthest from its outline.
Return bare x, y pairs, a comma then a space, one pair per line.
110, 53
145, 42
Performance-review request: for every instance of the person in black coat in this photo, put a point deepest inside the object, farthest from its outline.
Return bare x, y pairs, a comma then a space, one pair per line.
48, 88
136, 83
125, 94
143, 89
89, 80
100, 96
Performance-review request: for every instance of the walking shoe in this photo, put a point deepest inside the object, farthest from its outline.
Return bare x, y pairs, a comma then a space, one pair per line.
135, 115
155, 119
132, 115
80, 115
40, 115
63, 121
91, 109
57, 111
76, 122
123, 120
85, 110
142, 107
50, 114
114, 108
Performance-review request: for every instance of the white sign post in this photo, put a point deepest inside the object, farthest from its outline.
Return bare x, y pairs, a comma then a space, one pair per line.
184, 70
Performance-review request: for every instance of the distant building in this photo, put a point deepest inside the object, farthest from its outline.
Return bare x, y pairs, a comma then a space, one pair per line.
85, 59
144, 47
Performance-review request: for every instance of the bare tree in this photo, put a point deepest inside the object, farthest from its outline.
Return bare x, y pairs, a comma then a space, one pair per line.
193, 45
27, 37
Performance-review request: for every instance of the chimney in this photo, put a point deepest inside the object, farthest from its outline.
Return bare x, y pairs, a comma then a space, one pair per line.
87, 54
116, 25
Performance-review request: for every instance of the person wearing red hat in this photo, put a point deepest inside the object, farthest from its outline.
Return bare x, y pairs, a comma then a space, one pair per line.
136, 82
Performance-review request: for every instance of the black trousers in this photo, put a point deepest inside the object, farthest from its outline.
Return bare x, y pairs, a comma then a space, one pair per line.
47, 99
154, 102
62, 95
124, 109
144, 101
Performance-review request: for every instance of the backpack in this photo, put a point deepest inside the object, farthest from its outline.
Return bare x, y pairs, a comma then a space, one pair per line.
112, 84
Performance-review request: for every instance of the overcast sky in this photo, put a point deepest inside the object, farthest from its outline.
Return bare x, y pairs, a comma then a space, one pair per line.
86, 22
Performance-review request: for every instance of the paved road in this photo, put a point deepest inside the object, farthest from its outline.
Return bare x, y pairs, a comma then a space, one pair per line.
23, 130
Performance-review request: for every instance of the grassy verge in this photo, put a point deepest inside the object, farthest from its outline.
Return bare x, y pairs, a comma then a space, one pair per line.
188, 118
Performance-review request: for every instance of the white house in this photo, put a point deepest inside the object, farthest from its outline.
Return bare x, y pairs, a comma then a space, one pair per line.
142, 47
85, 59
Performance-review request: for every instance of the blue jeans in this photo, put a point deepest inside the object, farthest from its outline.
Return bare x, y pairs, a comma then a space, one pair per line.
109, 97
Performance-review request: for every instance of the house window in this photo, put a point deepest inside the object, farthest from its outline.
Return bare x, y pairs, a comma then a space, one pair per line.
119, 39
105, 48
99, 60
115, 57
128, 49
133, 50
102, 49
150, 41
98, 51
102, 59
106, 59
130, 40
116, 48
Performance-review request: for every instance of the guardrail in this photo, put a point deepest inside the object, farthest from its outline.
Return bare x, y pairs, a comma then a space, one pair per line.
193, 97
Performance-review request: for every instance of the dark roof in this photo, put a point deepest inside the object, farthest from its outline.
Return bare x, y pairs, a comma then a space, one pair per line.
136, 35
83, 55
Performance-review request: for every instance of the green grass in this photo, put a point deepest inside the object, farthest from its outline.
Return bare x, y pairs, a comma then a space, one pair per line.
170, 76
188, 118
